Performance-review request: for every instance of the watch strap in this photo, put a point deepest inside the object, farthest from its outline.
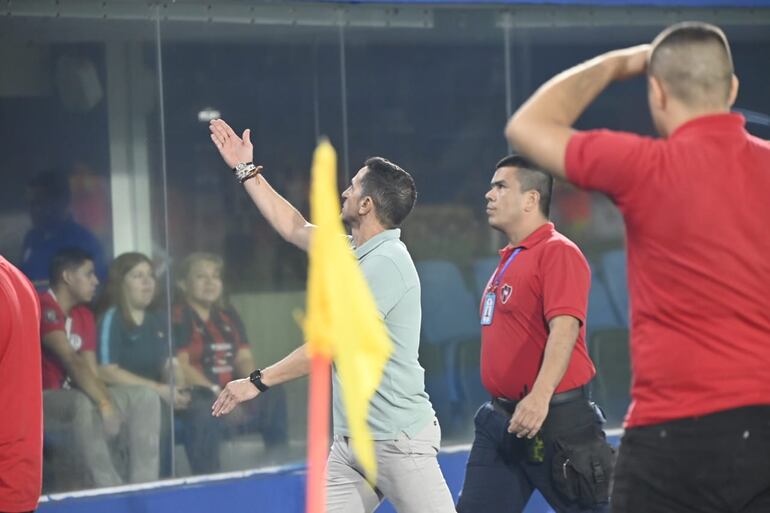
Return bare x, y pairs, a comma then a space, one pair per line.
256, 380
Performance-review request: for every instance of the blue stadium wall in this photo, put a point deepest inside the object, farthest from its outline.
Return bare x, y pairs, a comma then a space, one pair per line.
274, 491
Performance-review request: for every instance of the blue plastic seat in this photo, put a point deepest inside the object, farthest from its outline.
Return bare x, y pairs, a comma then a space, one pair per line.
482, 271
615, 276
449, 322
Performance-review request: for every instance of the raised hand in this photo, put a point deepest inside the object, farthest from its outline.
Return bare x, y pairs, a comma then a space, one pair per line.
232, 148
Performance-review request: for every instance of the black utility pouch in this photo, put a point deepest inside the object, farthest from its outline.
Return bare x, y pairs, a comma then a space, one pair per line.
582, 468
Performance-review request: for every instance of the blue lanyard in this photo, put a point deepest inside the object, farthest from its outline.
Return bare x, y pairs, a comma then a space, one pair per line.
499, 275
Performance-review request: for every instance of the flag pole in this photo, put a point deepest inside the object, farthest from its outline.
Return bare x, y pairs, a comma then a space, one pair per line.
318, 433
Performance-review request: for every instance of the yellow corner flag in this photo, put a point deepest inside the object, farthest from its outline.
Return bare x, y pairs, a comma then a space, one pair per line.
342, 318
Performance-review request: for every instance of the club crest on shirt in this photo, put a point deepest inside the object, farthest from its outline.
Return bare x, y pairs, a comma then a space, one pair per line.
505, 293
75, 341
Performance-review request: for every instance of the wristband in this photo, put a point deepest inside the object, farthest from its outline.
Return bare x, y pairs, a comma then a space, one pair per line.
245, 170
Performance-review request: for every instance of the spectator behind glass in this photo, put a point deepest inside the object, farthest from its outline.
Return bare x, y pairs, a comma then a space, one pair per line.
53, 229
212, 349
113, 431
133, 340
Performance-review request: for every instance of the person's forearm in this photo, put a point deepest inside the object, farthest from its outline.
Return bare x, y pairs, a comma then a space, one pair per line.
563, 99
293, 366
114, 375
173, 367
558, 353
80, 372
281, 214
244, 363
193, 376
542, 127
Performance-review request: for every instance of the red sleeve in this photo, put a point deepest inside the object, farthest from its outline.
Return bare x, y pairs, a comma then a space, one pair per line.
615, 163
87, 328
51, 316
5, 321
566, 280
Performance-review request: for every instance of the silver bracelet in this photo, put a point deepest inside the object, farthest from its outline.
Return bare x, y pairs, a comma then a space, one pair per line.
244, 170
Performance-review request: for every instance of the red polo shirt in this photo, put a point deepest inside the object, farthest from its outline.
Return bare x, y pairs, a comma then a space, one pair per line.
547, 278
79, 328
21, 430
696, 210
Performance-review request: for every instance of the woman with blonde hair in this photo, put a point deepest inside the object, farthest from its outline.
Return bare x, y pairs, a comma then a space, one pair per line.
212, 349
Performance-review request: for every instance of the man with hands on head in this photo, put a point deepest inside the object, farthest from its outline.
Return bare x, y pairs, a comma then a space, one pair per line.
401, 418
534, 363
695, 207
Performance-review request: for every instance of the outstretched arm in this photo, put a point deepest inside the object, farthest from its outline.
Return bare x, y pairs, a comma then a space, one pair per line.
281, 214
80, 368
542, 127
293, 366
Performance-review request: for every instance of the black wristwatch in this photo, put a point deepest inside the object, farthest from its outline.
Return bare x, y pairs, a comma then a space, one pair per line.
256, 380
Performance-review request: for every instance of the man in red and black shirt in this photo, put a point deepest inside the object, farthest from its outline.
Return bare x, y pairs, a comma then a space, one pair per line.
695, 204
21, 439
78, 405
534, 362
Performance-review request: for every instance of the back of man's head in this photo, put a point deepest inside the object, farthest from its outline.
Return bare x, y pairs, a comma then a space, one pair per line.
392, 190
67, 259
531, 179
693, 61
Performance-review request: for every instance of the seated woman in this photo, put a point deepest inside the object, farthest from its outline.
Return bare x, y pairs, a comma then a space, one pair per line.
133, 343
212, 349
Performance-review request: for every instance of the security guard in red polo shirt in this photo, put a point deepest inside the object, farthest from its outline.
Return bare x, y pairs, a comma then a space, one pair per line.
539, 431
694, 202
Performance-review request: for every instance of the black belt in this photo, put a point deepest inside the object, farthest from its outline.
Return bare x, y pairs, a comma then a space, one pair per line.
509, 406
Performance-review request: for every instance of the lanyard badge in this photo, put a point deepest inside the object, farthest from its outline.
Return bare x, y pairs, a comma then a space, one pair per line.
490, 298
489, 308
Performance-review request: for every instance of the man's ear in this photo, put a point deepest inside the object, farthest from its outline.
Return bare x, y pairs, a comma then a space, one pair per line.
734, 86
366, 205
67, 276
657, 93
533, 201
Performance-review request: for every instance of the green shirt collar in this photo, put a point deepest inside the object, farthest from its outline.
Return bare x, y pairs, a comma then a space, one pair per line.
370, 245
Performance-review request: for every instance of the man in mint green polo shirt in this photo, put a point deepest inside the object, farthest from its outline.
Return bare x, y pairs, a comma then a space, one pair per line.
401, 418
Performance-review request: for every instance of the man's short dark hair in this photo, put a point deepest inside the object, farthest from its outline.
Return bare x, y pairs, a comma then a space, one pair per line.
531, 179
66, 260
392, 191
693, 59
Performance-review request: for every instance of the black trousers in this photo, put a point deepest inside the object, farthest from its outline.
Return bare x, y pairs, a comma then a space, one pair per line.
500, 476
717, 463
